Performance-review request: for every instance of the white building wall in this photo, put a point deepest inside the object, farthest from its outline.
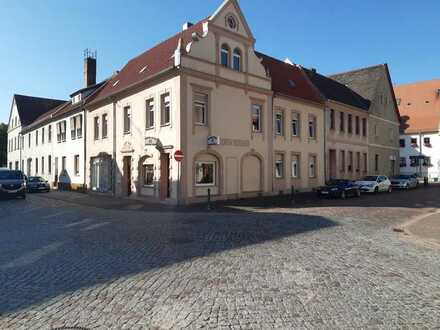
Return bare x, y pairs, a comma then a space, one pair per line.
57, 150
432, 151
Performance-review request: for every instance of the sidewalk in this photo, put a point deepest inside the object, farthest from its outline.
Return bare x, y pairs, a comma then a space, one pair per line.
427, 228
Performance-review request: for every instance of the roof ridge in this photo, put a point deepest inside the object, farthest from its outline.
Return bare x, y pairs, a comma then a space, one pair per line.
38, 97
358, 70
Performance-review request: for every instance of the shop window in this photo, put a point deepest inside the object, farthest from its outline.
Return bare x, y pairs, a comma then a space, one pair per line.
205, 173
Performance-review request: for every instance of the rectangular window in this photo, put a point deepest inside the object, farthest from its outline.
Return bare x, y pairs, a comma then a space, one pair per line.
279, 166
76, 165
42, 165
256, 118
365, 163
376, 163
29, 140
357, 126
342, 122
148, 171
364, 126
79, 126
127, 120
96, 128
205, 173
312, 167
279, 123
295, 124
149, 113
42, 135
427, 161
402, 161
295, 166
200, 108
73, 128
36, 137
61, 131
104, 126
427, 141
342, 160
350, 124
332, 119
63, 164
414, 142
49, 135
350, 161
36, 165
49, 164
358, 162
165, 113
312, 127
402, 143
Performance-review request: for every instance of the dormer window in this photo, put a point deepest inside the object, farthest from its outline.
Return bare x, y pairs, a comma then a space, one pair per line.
224, 56
236, 61
76, 98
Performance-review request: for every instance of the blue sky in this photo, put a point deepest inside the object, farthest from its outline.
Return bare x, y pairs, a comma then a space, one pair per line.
42, 41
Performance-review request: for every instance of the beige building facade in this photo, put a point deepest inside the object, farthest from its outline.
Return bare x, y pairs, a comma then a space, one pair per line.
215, 100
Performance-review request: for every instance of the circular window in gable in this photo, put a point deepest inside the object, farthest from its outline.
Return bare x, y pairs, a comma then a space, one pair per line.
231, 22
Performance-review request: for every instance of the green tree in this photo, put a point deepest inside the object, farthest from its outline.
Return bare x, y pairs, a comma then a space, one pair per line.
3, 144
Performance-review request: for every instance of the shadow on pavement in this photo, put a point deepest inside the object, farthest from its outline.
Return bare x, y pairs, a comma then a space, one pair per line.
49, 256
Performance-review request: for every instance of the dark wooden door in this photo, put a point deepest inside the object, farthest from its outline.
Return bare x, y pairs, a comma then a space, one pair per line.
127, 175
164, 176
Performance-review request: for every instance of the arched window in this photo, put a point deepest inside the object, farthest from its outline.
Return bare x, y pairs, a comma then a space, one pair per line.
224, 56
236, 60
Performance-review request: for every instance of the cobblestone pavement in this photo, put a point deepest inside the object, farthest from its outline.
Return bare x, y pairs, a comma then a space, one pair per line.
333, 265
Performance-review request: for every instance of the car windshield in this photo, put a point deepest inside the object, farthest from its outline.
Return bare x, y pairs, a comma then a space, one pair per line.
35, 179
402, 177
11, 175
370, 178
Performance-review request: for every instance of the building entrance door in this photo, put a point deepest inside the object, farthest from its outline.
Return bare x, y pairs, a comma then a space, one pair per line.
127, 175
164, 176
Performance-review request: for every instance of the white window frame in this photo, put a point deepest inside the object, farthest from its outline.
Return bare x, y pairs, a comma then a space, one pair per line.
312, 124
104, 125
259, 109
165, 108
214, 176
149, 113
127, 119
279, 118
225, 50
296, 166
200, 103
278, 162
144, 176
236, 55
295, 120
314, 158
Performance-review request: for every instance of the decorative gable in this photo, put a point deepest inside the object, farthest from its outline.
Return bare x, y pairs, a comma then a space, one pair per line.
229, 17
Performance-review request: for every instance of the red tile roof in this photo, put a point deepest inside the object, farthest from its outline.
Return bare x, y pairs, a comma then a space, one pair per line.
290, 80
420, 105
154, 61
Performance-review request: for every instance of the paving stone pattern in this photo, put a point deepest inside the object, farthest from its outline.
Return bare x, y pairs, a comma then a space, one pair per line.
338, 266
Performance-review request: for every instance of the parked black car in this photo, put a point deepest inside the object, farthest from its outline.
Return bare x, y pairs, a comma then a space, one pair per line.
37, 184
340, 189
12, 184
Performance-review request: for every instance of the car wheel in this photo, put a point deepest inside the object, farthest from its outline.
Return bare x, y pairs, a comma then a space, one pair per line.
376, 190
390, 189
358, 193
343, 195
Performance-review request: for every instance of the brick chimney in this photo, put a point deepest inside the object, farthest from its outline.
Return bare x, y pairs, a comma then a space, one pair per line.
89, 68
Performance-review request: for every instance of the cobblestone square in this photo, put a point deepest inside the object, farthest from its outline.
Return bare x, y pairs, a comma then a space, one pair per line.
323, 265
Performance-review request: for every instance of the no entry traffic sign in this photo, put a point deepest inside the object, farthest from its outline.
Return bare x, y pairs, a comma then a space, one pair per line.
178, 155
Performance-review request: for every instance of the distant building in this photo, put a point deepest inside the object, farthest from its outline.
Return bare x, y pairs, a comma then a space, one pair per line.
374, 84
46, 136
419, 105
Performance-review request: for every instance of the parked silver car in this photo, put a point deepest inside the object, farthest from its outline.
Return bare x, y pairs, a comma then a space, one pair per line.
404, 181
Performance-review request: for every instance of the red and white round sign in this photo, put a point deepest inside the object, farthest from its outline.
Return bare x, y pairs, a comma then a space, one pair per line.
178, 155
